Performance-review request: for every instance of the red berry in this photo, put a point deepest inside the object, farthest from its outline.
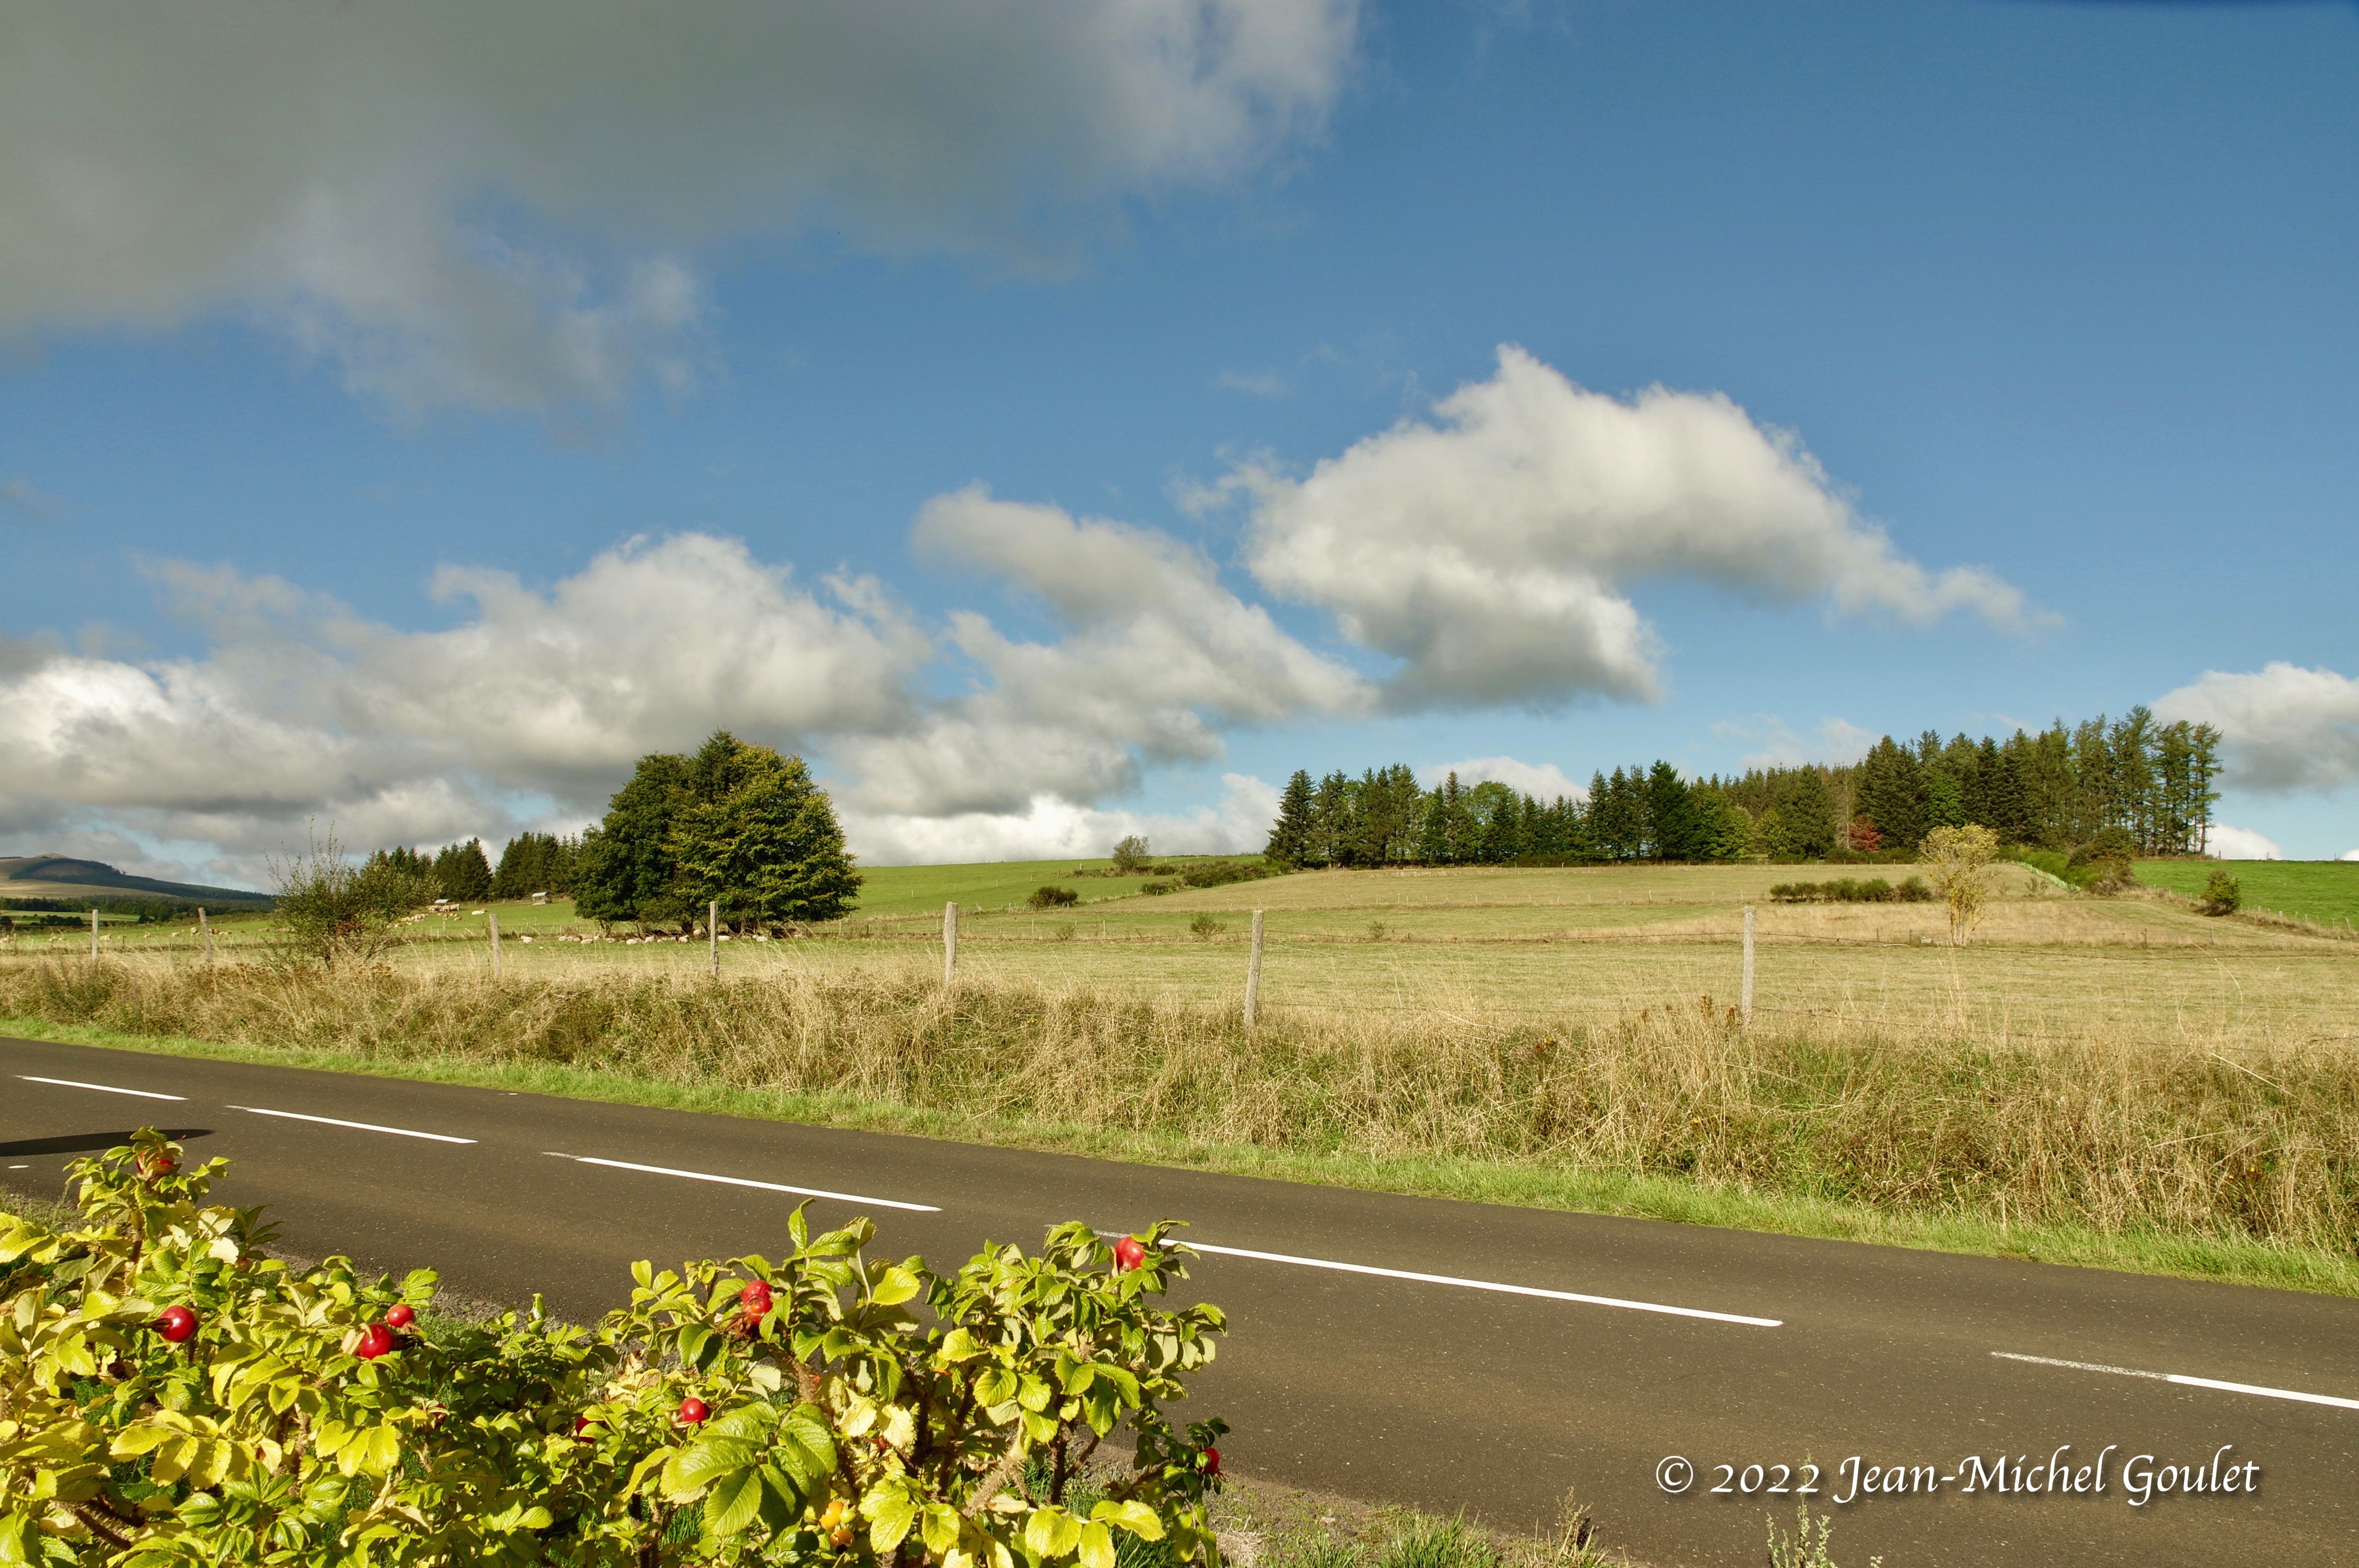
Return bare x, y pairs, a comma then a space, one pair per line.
401, 1314
585, 1429
375, 1340
692, 1410
755, 1298
1128, 1254
1211, 1461
176, 1324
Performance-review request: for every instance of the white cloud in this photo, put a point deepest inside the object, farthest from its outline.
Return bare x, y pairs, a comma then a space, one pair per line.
1835, 742
532, 708
490, 207
2243, 844
304, 710
1154, 659
2348, 855
1049, 827
1541, 780
2283, 727
1492, 550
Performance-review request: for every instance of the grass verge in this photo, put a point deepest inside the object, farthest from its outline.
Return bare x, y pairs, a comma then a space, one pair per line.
1530, 1180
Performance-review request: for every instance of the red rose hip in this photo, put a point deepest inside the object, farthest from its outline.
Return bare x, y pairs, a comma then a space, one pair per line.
1128, 1254
375, 1340
1211, 1461
756, 1298
692, 1410
176, 1324
401, 1314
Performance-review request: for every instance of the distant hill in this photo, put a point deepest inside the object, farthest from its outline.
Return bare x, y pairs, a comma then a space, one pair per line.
56, 876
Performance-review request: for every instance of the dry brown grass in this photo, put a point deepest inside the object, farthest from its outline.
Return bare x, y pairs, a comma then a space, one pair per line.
2100, 1128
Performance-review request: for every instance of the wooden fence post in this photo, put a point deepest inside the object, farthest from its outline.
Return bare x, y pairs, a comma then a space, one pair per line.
495, 917
950, 943
712, 931
206, 931
1253, 971
1745, 1009
93, 932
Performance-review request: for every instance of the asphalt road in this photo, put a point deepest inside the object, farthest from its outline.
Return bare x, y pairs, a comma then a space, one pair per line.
1464, 1356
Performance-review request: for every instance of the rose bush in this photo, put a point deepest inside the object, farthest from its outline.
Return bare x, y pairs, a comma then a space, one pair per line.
170, 1395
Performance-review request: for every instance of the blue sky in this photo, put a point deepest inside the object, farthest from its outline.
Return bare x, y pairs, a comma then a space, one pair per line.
2008, 358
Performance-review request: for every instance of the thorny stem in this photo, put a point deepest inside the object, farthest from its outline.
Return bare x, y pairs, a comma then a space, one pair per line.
997, 1480
99, 1525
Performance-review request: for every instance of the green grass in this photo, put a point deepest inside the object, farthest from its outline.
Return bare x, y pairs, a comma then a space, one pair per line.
1472, 1179
2323, 891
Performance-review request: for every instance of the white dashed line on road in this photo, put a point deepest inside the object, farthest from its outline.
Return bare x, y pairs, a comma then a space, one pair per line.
2185, 1381
744, 1182
103, 1088
1737, 1318
356, 1126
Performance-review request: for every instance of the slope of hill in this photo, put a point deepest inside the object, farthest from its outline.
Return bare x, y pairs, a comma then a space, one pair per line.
56, 876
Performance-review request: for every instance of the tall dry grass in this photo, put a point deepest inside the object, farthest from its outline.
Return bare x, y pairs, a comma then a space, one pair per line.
2097, 1130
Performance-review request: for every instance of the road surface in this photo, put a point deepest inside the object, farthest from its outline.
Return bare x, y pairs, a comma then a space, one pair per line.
1395, 1349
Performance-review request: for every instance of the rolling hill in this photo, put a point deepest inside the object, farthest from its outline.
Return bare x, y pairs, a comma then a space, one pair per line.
58, 877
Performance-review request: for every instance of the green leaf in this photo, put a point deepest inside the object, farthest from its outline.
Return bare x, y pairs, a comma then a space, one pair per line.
1097, 1545
698, 1346
700, 1464
1052, 1532
737, 1498
1133, 1516
939, 1525
892, 1284
889, 1510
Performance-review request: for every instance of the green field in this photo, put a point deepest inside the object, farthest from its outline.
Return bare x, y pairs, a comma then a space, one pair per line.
2323, 891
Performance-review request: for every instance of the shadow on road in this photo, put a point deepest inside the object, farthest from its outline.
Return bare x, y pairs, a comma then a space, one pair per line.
87, 1143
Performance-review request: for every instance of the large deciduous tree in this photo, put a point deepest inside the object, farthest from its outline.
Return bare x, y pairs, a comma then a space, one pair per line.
758, 837
736, 824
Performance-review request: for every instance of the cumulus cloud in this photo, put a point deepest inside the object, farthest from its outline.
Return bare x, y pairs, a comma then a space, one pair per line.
2242, 844
1541, 780
2348, 855
1154, 660
1048, 827
2282, 728
533, 706
302, 708
495, 207
1490, 550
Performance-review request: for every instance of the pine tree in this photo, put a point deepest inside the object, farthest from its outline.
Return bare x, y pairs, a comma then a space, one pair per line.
1290, 839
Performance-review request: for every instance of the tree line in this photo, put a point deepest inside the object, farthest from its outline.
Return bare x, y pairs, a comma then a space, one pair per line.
463, 873
2054, 790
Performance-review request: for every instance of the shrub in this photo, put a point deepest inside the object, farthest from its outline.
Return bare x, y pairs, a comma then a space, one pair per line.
1053, 898
1220, 874
174, 1397
1203, 928
333, 909
2221, 895
1130, 856
1843, 890
1960, 862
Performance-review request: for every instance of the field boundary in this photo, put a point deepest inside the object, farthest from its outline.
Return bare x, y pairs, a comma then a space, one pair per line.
1657, 1197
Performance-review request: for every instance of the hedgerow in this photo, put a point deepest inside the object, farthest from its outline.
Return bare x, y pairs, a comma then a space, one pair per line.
171, 1395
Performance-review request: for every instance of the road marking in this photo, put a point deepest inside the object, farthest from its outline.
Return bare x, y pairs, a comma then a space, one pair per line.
357, 1126
2185, 1381
744, 1182
1491, 1285
103, 1088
